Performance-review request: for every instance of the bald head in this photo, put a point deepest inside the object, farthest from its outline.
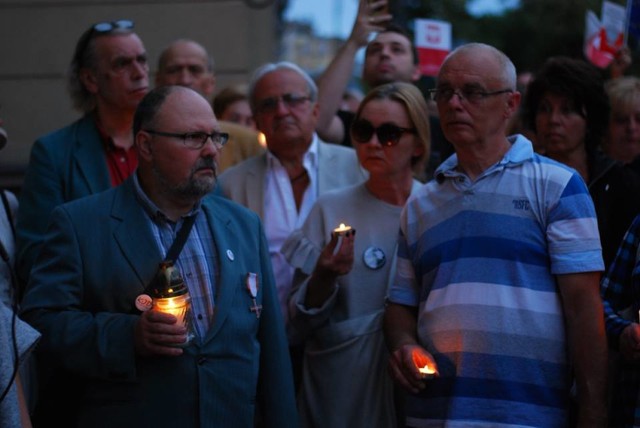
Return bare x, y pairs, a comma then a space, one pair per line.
484, 54
186, 63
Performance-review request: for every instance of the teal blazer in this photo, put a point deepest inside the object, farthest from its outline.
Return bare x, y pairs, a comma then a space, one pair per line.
99, 255
64, 165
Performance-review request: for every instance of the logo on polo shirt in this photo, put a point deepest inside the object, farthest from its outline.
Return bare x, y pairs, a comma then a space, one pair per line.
521, 204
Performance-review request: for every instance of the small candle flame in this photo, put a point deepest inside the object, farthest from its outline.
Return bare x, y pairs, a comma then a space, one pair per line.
426, 370
262, 139
342, 228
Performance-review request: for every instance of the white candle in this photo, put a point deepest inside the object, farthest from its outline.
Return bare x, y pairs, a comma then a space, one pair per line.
340, 231
176, 306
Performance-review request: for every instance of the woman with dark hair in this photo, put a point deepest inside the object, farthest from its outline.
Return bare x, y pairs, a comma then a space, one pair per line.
340, 284
568, 109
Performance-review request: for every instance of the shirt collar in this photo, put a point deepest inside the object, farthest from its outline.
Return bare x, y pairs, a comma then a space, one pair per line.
521, 151
152, 209
106, 139
309, 160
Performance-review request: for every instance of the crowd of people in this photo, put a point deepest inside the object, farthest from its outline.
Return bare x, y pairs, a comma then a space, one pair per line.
383, 258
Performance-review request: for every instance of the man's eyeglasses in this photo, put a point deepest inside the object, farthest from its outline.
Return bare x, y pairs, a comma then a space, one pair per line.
292, 101
388, 134
195, 140
472, 95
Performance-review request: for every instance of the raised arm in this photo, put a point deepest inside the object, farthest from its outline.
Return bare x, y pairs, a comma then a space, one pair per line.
333, 82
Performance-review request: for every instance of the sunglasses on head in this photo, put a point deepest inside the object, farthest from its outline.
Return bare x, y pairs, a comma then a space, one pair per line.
99, 28
388, 134
105, 27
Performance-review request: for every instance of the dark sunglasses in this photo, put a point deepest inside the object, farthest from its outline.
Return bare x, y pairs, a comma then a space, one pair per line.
388, 134
98, 28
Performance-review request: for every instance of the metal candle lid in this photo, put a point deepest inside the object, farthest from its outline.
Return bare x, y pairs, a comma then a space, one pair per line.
168, 282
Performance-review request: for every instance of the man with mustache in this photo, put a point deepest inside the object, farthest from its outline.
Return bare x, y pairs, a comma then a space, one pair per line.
499, 262
105, 249
107, 78
282, 184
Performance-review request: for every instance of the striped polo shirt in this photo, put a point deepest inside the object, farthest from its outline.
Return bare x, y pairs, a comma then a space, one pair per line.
478, 259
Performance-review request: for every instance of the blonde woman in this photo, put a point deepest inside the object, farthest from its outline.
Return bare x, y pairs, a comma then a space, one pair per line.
340, 285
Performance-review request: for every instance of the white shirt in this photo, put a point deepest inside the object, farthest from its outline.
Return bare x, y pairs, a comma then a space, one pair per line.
281, 216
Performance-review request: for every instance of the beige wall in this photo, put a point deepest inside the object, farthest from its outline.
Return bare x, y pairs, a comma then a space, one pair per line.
37, 38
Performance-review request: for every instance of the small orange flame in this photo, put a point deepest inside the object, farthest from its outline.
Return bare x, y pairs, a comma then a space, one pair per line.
422, 364
262, 139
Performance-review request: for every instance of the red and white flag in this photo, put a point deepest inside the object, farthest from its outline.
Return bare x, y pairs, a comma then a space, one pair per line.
433, 42
603, 39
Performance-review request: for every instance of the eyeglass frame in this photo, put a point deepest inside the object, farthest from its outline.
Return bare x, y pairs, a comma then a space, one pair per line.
376, 130
290, 100
471, 95
104, 27
185, 135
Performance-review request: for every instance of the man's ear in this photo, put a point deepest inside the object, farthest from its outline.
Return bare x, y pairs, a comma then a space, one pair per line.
210, 87
513, 103
143, 145
89, 80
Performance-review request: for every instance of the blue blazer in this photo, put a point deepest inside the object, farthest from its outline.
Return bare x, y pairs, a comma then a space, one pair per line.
64, 165
99, 255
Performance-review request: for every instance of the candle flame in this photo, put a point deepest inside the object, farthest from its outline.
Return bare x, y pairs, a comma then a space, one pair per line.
426, 370
422, 363
343, 227
262, 139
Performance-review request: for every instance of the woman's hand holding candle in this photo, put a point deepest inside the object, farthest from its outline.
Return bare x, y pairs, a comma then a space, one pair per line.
335, 259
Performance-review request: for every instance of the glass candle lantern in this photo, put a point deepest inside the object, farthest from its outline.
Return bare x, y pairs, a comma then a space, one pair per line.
170, 295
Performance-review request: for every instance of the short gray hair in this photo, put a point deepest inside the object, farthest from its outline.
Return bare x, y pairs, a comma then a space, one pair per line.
265, 69
509, 76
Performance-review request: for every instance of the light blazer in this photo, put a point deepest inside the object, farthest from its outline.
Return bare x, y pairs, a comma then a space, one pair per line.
244, 183
243, 143
64, 165
99, 256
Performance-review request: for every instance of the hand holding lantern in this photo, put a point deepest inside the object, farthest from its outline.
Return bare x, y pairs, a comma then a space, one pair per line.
168, 294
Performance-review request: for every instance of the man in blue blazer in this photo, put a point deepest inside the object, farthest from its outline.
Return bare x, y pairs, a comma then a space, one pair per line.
103, 250
108, 78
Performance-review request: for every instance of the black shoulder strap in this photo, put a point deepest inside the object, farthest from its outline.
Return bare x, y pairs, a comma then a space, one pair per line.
181, 238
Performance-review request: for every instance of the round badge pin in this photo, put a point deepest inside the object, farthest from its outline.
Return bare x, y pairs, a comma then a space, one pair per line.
144, 302
374, 258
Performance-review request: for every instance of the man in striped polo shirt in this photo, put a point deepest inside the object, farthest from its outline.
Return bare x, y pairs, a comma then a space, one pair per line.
498, 271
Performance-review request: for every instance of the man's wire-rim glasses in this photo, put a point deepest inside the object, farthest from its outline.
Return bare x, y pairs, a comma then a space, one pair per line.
472, 95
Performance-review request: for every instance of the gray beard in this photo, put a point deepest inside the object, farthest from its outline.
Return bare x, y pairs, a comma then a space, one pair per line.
193, 188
